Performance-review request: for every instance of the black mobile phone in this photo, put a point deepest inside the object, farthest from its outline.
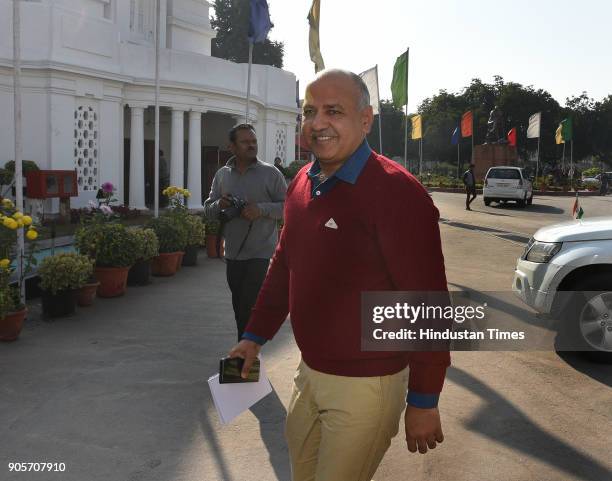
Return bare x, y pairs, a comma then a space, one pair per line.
231, 367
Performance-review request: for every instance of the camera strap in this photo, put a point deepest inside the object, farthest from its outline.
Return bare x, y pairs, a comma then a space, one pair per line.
222, 229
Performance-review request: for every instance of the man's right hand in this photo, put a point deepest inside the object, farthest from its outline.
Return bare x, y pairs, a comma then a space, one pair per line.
247, 350
225, 201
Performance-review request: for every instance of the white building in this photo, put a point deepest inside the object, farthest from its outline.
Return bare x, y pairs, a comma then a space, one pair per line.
88, 94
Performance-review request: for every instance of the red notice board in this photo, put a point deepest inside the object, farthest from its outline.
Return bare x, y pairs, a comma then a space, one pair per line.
45, 184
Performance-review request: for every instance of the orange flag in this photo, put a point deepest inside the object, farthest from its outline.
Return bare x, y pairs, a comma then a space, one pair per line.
512, 137
467, 123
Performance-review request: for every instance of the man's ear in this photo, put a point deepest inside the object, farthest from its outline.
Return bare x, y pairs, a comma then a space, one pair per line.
367, 118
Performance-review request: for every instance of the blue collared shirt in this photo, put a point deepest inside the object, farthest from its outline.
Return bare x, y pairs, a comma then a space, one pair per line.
348, 172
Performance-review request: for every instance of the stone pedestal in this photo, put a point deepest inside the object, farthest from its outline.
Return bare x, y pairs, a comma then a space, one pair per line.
490, 155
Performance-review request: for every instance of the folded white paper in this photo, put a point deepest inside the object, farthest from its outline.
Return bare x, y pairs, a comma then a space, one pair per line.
235, 398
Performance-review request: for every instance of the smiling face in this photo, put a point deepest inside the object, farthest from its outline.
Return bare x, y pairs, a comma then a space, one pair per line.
334, 123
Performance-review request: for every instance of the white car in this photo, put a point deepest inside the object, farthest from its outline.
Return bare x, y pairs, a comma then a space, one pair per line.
504, 183
566, 272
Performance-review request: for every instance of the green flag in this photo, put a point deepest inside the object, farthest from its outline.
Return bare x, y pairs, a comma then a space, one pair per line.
399, 84
566, 129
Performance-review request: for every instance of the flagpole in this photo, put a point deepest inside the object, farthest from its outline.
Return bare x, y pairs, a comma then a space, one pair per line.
458, 159
472, 157
18, 144
572, 161
538, 157
406, 118
379, 113
563, 159
248, 99
421, 155
157, 41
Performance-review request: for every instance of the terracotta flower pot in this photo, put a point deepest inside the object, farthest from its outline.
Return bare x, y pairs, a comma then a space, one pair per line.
140, 273
211, 246
191, 256
179, 260
113, 280
10, 326
165, 264
87, 294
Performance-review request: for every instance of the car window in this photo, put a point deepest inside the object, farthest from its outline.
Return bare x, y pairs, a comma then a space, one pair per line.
504, 174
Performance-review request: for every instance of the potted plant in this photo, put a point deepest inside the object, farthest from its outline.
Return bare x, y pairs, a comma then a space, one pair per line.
147, 247
214, 246
172, 237
195, 239
113, 249
61, 275
12, 309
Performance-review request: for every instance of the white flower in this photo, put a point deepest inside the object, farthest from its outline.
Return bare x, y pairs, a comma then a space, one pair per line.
106, 209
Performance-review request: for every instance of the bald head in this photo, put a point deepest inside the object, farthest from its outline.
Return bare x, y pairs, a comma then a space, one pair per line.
361, 89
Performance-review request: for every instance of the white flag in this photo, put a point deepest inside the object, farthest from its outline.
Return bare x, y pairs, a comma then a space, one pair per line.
370, 77
533, 131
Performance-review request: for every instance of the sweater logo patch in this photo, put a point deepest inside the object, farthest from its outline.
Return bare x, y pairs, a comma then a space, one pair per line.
331, 223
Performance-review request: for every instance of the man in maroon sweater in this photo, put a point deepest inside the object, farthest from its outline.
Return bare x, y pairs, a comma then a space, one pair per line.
354, 222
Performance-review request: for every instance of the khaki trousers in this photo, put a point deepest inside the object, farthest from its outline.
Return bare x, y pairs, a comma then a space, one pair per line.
339, 428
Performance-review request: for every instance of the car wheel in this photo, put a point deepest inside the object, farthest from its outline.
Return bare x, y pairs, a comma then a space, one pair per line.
520, 202
487, 201
530, 200
587, 322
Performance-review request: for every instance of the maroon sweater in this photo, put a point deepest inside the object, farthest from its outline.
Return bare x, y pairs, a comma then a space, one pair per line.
387, 239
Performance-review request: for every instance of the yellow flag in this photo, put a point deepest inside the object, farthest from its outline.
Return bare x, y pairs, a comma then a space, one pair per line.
417, 127
559, 135
314, 16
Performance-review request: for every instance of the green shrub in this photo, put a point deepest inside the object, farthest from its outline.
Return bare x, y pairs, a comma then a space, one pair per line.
294, 167
64, 271
592, 172
196, 231
212, 227
111, 245
171, 232
146, 243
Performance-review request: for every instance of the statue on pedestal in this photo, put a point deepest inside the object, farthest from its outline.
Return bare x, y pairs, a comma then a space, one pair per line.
495, 127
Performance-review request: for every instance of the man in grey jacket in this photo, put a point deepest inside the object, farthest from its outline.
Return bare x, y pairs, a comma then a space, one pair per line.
258, 190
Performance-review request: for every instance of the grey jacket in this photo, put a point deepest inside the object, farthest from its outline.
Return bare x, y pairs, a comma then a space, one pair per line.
261, 184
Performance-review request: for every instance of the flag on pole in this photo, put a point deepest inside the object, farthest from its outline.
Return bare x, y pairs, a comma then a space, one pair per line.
314, 15
533, 131
259, 24
370, 78
417, 127
512, 137
559, 135
567, 130
577, 212
399, 92
467, 124
456, 136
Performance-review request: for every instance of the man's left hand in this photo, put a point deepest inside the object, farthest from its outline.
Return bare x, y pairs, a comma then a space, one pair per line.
423, 429
251, 212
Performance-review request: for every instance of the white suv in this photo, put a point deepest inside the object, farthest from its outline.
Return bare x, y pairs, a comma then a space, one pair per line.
566, 272
507, 183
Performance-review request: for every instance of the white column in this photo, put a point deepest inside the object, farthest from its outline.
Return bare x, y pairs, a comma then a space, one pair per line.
194, 166
177, 142
137, 167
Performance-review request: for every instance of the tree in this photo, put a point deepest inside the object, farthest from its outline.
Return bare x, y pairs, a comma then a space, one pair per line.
232, 24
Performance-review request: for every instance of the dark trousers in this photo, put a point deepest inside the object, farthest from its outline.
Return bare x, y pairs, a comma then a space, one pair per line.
469, 191
245, 279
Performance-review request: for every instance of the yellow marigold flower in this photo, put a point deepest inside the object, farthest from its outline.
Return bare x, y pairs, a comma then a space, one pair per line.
17, 215
10, 223
31, 234
19, 222
7, 203
4, 263
187, 194
27, 220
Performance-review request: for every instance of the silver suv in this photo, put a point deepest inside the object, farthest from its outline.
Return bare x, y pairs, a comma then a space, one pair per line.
507, 183
566, 272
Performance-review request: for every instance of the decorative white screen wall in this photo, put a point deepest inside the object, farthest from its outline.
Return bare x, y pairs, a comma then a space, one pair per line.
86, 148
281, 143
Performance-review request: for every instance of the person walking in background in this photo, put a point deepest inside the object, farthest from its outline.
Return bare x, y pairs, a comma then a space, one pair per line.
469, 179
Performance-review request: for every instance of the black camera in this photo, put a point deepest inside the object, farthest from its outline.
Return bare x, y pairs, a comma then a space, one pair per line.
234, 210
